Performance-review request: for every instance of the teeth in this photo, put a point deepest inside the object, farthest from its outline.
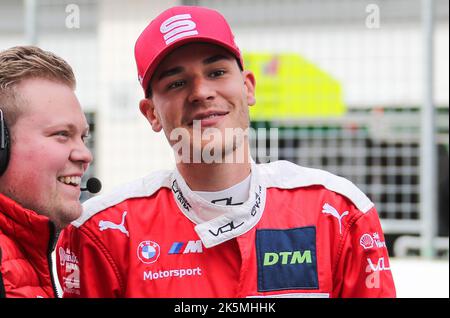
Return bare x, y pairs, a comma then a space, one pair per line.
210, 116
70, 180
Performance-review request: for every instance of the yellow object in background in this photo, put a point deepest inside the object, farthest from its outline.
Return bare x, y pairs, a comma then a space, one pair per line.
288, 86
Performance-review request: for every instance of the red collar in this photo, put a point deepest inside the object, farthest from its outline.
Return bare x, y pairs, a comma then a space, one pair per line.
27, 228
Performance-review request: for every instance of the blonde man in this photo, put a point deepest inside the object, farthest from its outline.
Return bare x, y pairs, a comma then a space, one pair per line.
42, 159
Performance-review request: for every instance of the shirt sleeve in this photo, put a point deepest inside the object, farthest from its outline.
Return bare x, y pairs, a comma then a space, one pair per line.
84, 266
363, 268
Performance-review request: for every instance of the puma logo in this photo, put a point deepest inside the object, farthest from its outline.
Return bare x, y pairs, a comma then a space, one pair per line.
328, 209
104, 225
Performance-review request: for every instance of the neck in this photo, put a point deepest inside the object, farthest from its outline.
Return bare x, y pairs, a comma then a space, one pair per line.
213, 177
217, 176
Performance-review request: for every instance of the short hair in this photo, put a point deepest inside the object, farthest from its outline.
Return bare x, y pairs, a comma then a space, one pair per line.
26, 62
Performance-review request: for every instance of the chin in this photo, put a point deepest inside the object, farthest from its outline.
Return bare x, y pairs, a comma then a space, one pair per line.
68, 214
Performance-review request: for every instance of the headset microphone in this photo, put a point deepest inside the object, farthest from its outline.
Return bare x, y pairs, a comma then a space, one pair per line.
93, 185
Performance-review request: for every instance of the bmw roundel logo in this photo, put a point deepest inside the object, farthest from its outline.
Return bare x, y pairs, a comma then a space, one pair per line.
148, 252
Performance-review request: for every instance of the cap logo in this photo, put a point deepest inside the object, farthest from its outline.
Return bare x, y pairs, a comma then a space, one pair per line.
178, 26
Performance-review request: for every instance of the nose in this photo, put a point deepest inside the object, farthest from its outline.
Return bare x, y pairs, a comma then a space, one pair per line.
81, 153
201, 91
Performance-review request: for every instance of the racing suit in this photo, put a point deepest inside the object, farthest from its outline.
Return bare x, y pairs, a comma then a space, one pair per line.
302, 233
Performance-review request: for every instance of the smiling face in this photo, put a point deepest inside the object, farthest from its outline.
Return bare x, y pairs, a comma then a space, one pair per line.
48, 154
200, 82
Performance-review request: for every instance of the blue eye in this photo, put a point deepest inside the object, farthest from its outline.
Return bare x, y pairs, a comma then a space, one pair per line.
63, 133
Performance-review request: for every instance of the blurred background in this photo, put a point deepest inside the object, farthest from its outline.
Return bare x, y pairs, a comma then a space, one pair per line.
356, 87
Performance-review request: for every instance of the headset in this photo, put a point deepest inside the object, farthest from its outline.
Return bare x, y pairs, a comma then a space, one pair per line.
4, 144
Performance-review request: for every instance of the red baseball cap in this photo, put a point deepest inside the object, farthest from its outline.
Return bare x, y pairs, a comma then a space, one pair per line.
175, 27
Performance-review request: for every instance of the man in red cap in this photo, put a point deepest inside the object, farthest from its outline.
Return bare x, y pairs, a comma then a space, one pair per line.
219, 225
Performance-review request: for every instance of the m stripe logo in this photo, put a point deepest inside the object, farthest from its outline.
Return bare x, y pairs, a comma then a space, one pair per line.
191, 247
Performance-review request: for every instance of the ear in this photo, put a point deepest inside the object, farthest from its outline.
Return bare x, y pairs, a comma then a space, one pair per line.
250, 84
148, 110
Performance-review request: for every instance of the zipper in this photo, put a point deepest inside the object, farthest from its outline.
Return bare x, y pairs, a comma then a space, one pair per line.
2, 285
51, 247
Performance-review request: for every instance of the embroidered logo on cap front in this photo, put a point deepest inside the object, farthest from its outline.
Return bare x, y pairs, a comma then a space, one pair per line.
177, 27
148, 252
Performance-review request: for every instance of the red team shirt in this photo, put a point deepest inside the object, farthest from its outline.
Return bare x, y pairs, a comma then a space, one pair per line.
301, 233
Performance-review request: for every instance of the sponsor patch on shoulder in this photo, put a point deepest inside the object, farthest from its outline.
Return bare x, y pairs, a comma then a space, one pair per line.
286, 259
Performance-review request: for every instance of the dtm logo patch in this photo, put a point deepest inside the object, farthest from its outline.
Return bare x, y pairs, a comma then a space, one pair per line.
287, 259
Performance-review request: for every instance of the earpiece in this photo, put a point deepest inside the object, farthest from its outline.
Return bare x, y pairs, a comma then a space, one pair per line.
4, 144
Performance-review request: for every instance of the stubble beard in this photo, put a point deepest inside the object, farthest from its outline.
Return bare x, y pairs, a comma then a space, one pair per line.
59, 212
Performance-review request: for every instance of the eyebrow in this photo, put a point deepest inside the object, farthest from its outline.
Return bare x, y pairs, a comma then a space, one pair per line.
69, 126
170, 72
179, 69
215, 58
